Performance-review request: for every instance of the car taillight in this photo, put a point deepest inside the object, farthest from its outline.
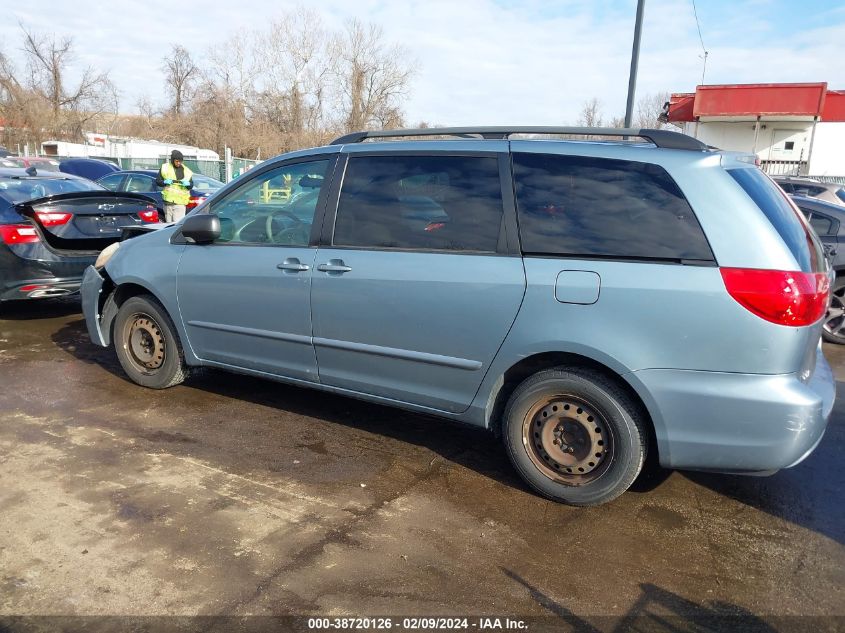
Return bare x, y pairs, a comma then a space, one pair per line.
783, 297
150, 214
53, 218
18, 234
194, 201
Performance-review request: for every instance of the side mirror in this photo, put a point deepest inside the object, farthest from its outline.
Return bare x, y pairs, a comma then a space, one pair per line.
202, 228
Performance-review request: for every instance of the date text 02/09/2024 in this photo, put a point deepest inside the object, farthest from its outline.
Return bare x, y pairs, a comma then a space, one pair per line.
417, 623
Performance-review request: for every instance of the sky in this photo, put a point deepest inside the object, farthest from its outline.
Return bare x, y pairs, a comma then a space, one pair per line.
482, 62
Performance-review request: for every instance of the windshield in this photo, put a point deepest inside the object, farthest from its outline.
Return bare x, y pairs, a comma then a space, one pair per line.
17, 190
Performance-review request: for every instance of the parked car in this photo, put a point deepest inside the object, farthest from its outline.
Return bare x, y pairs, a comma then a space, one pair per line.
4, 152
53, 225
586, 301
829, 192
828, 221
39, 162
90, 168
143, 181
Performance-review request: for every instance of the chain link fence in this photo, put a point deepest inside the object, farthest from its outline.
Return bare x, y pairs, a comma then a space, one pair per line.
212, 168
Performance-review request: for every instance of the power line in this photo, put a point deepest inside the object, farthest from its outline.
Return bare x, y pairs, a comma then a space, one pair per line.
700, 39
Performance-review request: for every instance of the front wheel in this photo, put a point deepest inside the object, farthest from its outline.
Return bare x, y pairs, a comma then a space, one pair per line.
575, 436
147, 345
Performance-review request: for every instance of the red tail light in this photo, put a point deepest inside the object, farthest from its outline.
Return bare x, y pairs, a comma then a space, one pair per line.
782, 297
194, 201
18, 233
53, 218
150, 214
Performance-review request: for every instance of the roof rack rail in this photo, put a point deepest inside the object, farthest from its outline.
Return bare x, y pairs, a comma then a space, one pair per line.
661, 138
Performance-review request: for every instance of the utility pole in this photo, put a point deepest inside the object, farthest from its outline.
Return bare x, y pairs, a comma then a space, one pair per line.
635, 60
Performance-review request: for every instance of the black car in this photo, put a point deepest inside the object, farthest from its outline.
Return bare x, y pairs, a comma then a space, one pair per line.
53, 225
828, 221
143, 181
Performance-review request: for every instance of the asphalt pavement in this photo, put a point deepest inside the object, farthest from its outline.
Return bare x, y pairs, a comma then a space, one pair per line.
237, 496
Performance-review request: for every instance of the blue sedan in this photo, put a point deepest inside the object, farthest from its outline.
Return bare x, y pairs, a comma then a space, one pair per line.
143, 181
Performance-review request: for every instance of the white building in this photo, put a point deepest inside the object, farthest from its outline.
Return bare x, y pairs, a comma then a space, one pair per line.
792, 128
103, 145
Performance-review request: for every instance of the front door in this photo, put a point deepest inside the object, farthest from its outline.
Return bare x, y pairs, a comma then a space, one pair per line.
417, 291
788, 145
245, 299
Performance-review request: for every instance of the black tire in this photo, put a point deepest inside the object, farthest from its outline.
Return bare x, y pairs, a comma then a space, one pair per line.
833, 330
147, 345
567, 419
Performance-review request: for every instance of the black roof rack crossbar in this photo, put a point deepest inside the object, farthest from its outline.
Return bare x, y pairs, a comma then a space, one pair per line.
661, 138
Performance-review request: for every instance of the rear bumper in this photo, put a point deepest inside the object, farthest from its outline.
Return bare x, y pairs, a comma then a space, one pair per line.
39, 288
31, 271
737, 422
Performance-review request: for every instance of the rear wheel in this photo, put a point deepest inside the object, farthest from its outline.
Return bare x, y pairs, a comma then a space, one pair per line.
147, 345
833, 330
575, 436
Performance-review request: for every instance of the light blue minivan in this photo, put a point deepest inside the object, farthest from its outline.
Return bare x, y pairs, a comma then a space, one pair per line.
588, 301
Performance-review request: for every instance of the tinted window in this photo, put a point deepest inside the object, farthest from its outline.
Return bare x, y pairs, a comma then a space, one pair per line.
111, 182
808, 190
582, 206
821, 224
420, 202
840, 193
791, 226
275, 207
138, 183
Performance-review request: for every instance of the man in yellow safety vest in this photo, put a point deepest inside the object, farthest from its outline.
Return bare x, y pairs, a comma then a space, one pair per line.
177, 181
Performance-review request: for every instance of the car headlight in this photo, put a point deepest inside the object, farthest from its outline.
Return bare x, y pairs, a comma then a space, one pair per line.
106, 254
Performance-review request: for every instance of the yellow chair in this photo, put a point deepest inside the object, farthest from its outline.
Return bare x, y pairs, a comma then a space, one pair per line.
270, 194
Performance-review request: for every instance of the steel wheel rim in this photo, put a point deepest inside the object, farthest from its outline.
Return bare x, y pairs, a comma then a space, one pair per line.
834, 320
144, 343
568, 440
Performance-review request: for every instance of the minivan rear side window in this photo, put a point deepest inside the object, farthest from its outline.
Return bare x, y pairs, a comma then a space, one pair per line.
598, 207
789, 223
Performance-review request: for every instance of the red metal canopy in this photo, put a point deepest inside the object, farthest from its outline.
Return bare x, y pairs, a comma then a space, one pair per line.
753, 100
834, 106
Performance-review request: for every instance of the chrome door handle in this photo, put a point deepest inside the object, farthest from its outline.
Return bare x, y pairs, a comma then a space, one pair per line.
334, 266
293, 264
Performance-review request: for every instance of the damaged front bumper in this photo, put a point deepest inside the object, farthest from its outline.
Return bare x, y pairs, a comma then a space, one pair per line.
99, 325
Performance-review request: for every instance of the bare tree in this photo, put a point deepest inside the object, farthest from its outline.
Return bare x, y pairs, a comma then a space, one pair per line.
43, 100
180, 74
225, 101
371, 77
649, 108
296, 72
290, 84
591, 114
47, 63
